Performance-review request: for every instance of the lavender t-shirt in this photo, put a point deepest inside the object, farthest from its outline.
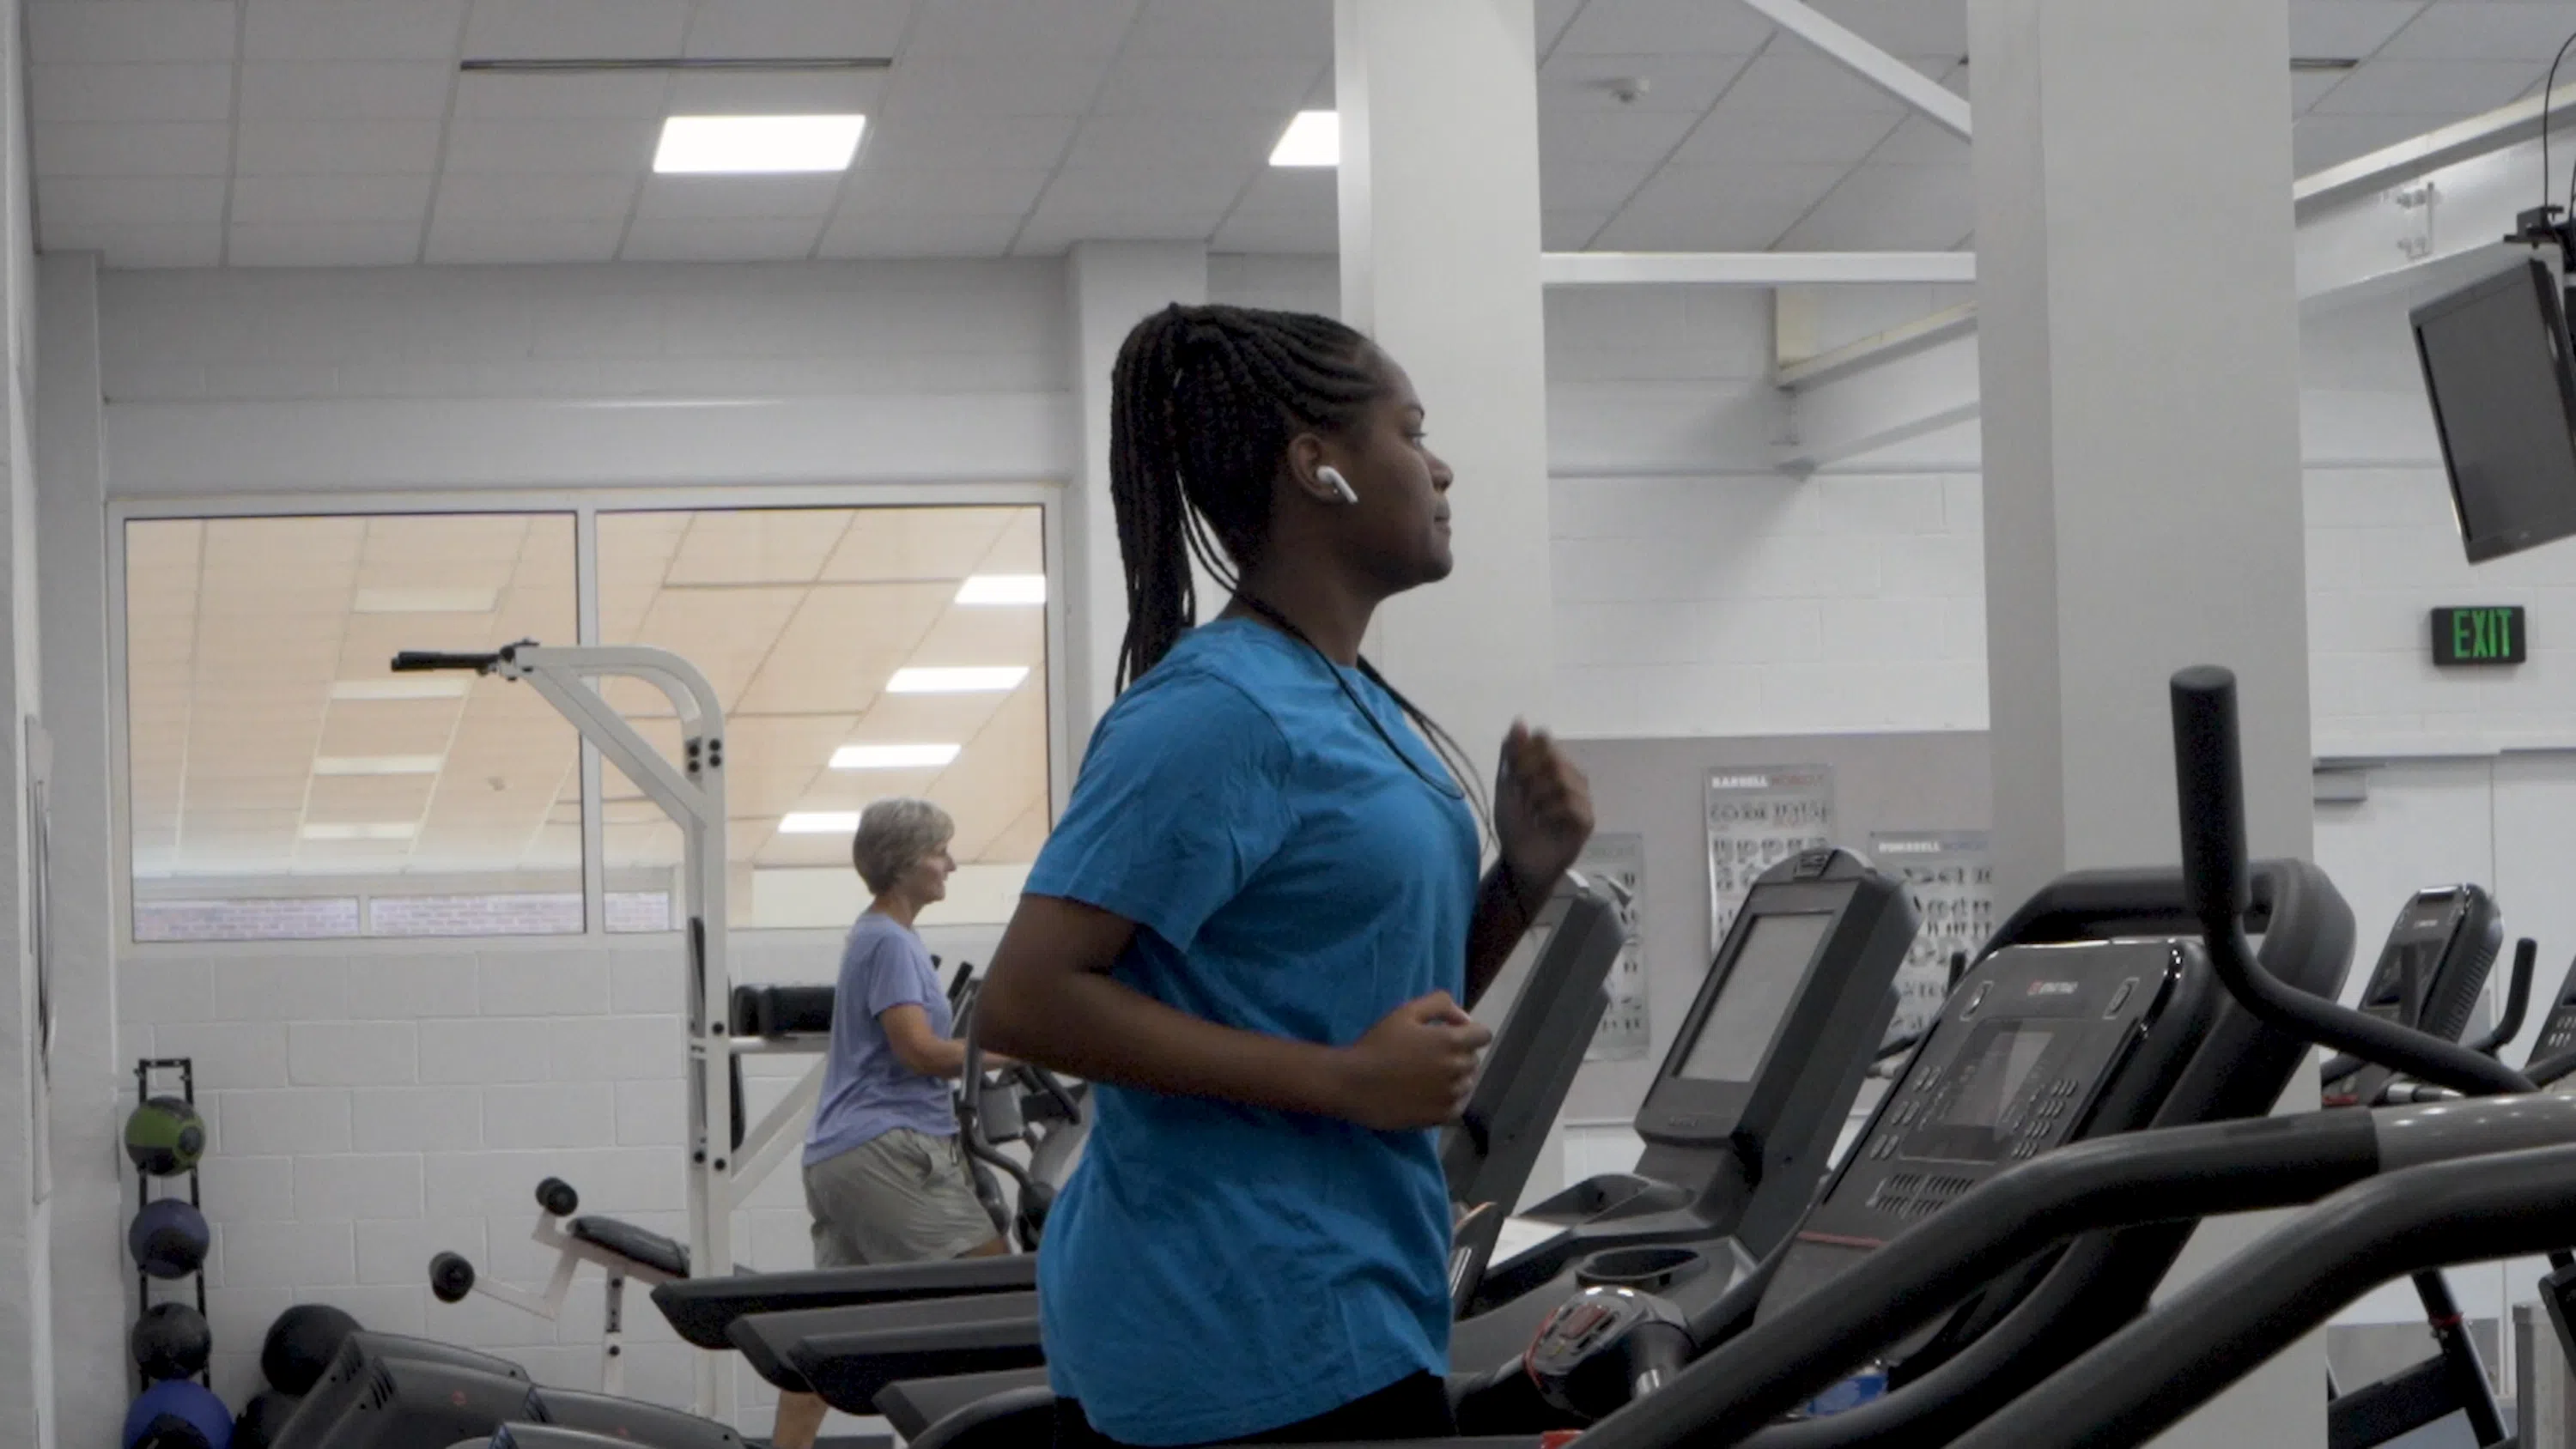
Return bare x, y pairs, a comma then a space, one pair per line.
867, 1090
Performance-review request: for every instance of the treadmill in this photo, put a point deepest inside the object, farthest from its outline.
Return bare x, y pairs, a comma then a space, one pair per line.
2428, 977
1544, 1004
1739, 1126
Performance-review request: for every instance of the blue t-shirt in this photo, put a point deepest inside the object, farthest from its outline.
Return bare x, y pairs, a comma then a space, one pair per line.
1212, 1270
867, 1090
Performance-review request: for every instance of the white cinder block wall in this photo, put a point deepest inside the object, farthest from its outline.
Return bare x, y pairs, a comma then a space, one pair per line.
376, 1101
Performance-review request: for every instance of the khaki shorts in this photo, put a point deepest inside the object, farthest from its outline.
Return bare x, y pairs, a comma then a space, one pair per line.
902, 1197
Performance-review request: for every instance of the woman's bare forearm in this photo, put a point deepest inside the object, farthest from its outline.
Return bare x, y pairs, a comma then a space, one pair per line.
1087, 1025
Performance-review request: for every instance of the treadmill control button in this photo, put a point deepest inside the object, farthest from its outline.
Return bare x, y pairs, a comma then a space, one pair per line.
1976, 999
2121, 997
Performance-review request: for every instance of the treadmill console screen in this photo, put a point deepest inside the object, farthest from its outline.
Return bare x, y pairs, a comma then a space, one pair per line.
1994, 1082
1737, 1031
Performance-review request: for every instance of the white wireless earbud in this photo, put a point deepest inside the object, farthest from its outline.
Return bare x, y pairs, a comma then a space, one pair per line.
1331, 477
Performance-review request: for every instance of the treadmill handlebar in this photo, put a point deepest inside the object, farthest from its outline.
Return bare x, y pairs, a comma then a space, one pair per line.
2517, 999
2210, 786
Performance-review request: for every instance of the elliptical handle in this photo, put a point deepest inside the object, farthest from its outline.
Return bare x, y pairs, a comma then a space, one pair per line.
2209, 781
2517, 999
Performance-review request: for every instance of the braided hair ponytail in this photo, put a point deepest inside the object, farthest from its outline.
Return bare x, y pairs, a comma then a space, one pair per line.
1203, 404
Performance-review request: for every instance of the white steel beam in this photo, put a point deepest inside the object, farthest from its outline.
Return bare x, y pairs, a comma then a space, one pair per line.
1940, 105
2427, 212
1755, 269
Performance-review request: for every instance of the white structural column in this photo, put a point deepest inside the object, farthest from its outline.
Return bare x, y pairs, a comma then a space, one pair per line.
1110, 287
2139, 359
91, 1280
1440, 262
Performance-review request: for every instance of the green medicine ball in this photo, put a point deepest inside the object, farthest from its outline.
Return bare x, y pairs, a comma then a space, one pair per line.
165, 1136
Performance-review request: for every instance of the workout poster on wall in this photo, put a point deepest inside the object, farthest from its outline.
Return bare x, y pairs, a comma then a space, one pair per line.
1617, 864
1758, 818
1950, 876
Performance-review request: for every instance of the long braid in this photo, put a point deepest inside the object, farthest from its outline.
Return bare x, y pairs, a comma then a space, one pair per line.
1203, 403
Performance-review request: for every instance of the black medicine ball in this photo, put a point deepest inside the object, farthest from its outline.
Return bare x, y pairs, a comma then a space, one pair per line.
170, 1341
301, 1344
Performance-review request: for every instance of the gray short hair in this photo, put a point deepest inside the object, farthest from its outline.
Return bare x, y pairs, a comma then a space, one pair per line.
896, 835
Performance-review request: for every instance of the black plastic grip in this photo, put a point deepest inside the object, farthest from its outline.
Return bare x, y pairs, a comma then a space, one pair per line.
2517, 999
422, 661
2209, 776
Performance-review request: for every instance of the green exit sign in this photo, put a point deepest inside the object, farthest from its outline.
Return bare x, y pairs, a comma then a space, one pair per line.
2488, 634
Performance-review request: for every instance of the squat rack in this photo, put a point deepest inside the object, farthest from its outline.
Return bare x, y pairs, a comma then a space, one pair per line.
721, 1174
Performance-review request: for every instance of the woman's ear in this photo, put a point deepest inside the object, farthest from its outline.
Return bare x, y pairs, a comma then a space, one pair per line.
1311, 471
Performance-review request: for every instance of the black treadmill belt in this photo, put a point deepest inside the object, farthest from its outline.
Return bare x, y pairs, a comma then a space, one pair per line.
702, 1309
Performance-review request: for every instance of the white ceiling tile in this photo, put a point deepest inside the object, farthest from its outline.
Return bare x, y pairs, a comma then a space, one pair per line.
90, 202
964, 189
2309, 87
1890, 208
1213, 28
352, 29
1149, 189
718, 198
2319, 140
572, 96
1602, 184
1045, 84
575, 29
282, 201
906, 139
1566, 231
1918, 142
752, 239
1741, 137
1569, 83
306, 148
585, 198
167, 92
1552, 17
1629, 138
2489, 30
325, 244
1182, 85
2444, 88
1905, 27
2346, 29
1663, 27
950, 28
738, 29
1718, 208
1223, 141
1051, 229
780, 94
67, 31
336, 90
135, 148
461, 240
1783, 79
1295, 233
1293, 188
123, 245
919, 234
542, 147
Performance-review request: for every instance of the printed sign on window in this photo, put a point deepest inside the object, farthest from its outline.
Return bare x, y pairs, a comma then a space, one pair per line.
1617, 864
1758, 818
1950, 876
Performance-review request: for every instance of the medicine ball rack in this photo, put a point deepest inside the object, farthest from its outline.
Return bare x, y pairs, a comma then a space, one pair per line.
186, 1067
724, 1165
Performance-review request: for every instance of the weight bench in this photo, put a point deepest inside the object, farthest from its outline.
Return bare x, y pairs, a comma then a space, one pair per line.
623, 1249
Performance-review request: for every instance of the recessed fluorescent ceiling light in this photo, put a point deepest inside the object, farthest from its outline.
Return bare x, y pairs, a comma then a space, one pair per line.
377, 764
1313, 139
819, 822
1003, 589
988, 680
387, 830
892, 757
436, 686
426, 601
750, 145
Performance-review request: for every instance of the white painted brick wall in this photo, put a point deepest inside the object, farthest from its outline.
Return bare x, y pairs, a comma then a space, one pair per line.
352, 1053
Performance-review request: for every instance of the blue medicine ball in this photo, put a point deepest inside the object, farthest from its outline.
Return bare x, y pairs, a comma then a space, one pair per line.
168, 1238
178, 1414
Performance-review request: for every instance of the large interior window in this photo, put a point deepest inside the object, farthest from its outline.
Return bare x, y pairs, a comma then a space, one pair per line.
284, 784
860, 653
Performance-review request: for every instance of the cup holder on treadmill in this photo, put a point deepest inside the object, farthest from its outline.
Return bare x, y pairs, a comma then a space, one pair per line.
1648, 1270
